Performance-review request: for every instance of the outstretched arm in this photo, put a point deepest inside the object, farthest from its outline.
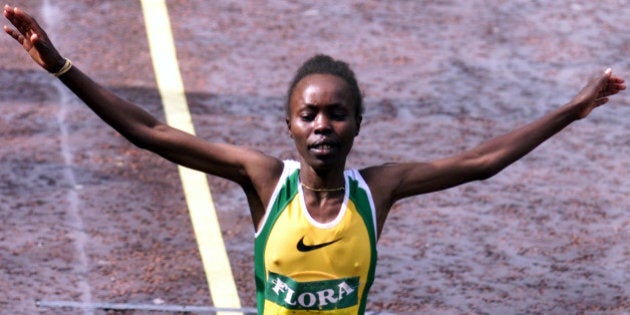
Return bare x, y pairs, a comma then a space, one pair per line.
249, 168
392, 182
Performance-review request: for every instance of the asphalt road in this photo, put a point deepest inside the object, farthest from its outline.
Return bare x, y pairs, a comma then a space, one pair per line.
87, 217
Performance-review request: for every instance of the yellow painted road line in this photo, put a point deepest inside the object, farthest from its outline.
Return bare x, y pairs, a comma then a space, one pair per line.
195, 184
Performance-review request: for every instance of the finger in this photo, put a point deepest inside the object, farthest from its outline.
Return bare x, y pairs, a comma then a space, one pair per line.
7, 10
13, 33
609, 90
7, 29
616, 79
27, 44
34, 38
22, 21
9, 13
604, 77
615, 86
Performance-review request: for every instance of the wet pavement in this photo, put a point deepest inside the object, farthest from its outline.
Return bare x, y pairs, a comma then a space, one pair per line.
88, 217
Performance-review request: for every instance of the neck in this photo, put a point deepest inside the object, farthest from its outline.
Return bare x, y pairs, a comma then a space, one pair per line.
322, 180
333, 189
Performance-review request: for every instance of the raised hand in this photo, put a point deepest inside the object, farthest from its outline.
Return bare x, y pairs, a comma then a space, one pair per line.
596, 92
33, 38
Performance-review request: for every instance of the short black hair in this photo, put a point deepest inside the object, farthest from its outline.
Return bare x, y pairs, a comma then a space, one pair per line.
323, 64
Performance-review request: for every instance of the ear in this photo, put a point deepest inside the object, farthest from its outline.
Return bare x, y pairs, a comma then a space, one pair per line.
358, 121
288, 122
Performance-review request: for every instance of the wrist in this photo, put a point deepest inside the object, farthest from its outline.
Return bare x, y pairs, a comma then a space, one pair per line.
571, 111
67, 64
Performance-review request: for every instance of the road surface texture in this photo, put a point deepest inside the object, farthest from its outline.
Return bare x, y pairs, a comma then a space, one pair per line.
87, 217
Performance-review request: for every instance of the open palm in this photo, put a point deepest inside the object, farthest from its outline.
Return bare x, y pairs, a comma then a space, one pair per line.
33, 38
596, 92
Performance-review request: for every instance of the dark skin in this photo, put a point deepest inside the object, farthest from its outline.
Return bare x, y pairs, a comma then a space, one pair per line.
323, 123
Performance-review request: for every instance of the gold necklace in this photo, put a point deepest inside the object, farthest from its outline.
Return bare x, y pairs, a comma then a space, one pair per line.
323, 189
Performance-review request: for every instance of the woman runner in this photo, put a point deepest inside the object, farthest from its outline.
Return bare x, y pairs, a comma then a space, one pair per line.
316, 222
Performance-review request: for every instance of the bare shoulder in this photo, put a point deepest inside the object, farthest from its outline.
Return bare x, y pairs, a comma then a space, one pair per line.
259, 175
391, 182
262, 169
382, 176
383, 181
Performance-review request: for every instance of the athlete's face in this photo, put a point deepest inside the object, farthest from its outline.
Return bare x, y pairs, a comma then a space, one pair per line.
322, 120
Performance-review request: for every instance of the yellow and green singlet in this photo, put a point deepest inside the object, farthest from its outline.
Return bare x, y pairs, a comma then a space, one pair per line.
306, 267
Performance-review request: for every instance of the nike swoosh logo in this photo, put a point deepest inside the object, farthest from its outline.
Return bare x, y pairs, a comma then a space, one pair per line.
307, 248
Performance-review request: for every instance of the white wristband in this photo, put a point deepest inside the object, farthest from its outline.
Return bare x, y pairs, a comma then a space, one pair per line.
64, 69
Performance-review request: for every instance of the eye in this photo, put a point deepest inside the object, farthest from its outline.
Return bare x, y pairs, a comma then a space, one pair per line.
307, 116
338, 114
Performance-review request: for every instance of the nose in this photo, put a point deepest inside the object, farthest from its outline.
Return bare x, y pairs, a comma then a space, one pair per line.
322, 124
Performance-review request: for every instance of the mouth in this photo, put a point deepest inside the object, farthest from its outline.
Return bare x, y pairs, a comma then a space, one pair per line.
324, 147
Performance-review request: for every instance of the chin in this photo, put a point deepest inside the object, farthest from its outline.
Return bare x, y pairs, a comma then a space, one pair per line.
325, 163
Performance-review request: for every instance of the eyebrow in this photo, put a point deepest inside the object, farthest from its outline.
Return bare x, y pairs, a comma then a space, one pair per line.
336, 104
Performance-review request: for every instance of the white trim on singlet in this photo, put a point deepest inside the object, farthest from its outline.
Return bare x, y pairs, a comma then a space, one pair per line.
289, 167
342, 211
354, 173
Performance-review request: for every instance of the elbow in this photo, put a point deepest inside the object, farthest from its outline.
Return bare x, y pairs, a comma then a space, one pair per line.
138, 139
145, 138
139, 142
486, 173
